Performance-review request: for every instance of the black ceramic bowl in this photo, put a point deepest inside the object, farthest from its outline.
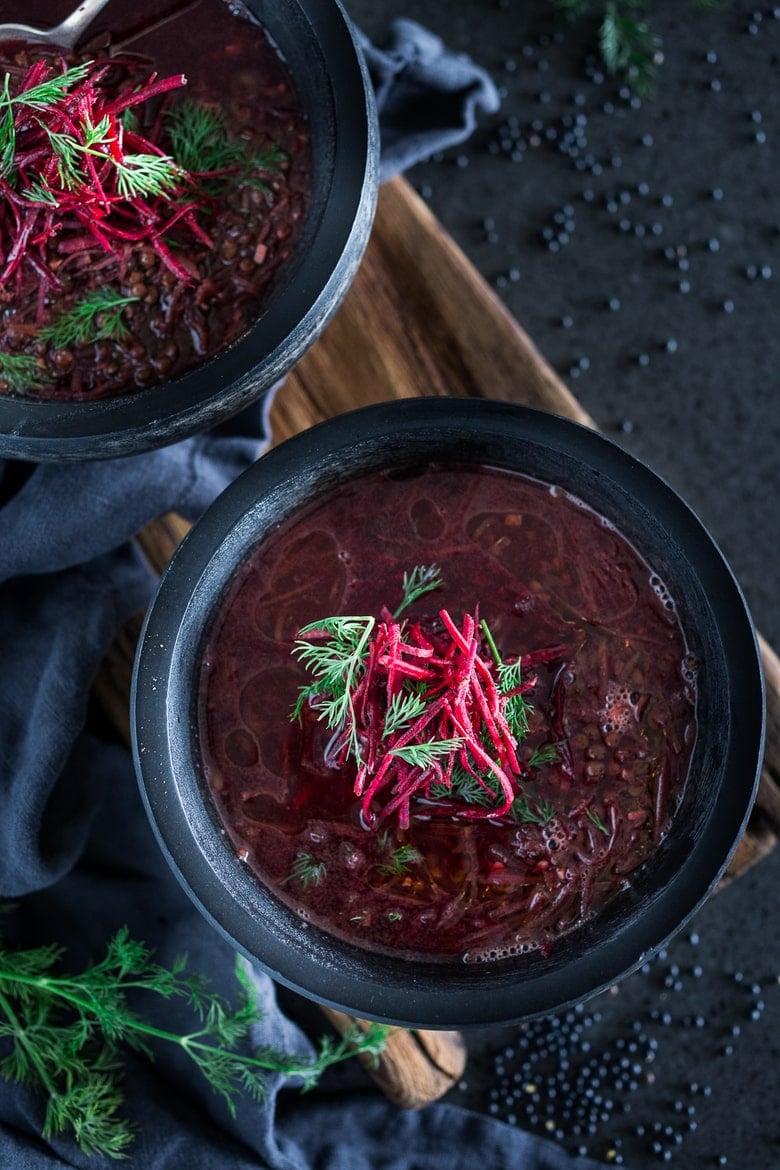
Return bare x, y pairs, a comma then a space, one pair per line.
668, 888
317, 41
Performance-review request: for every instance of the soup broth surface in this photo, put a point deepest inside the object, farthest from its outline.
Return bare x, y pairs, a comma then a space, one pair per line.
613, 717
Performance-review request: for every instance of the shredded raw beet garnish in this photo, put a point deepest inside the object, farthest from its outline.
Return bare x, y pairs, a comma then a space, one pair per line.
75, 170
427, 714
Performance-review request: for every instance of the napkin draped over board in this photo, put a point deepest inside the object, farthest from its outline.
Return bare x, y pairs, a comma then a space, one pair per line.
77, 856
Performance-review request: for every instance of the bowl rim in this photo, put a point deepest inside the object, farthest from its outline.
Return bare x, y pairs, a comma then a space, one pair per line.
161, 729
228, 381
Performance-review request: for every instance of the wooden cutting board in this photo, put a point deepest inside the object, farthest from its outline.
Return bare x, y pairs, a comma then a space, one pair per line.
420, 321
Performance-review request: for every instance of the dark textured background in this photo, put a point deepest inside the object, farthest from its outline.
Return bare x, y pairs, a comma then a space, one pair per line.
668, 206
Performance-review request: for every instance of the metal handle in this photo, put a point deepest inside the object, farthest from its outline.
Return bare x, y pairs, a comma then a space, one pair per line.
69, 31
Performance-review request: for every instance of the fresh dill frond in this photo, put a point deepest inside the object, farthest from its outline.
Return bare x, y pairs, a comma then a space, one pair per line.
199, 139
138, 175
424, 755
96, 317
35, 192
469, 789
21, 372
54, 89
367, 1041
510, 677
147, 175
541, 812
336, 665
403, 709
201, 144
421, 580
544, 754
67, 151
130, 120
307, 871
628, 45
400, 860
269, 160
516, 709
597, 821
95, 135
7, 131
64, 1036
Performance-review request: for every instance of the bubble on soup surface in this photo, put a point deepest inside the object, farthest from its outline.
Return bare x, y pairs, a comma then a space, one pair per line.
494, 954
621, 708
241, 749
265, 701
427, 519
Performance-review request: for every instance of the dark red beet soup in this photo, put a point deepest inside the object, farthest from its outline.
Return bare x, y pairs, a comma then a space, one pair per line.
151, 187
453, 730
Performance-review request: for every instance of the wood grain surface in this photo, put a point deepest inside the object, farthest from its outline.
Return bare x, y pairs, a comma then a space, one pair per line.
419, 321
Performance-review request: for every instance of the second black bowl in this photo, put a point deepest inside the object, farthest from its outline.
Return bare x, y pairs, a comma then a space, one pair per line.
317, 42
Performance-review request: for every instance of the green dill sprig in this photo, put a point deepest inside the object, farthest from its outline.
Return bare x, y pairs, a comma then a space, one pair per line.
201, 144
404, 707
36, 192
7, 130
516, 709
336, 666
21, 372
466, 787
39, 97
541, 812
597, 821
138, 175
421, 580
265, 162
269, 160
424, 755
67, 150
544, 754
64, 1036
199, 139
307, 871
400, 860
54, 89
629, 47
141, 175
96, 317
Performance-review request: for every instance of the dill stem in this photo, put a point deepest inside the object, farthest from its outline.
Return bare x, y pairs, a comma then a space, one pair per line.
491, 643
191, 1042
21, 1038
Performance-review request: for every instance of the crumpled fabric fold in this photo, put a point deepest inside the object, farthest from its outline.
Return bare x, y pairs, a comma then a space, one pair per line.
428, 98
